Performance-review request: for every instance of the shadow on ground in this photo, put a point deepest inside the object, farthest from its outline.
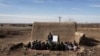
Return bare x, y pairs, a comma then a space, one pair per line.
86, 41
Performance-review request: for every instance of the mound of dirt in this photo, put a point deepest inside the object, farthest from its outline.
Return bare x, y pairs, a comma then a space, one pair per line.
9, 32
2, 35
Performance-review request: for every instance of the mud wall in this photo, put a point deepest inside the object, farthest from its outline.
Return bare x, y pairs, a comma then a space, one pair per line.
65, 31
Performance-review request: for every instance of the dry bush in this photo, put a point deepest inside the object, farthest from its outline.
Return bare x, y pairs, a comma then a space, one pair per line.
2, 35
9, 32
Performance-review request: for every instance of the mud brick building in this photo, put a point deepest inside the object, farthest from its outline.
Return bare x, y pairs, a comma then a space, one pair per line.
65, 30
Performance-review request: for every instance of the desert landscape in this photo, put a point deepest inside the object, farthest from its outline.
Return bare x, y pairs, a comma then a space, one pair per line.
49, 27
11, 35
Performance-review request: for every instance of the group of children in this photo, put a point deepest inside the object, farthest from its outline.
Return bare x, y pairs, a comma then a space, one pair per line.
60, 46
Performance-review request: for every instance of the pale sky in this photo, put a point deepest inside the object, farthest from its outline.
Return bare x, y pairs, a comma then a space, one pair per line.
28, 11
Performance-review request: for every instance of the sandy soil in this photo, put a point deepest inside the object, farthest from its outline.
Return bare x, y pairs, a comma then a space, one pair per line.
23, 34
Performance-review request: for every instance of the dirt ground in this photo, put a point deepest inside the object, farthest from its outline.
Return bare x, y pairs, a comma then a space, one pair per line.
14, 34
10, 35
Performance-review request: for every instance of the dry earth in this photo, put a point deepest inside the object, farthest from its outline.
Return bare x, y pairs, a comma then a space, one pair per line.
10, 35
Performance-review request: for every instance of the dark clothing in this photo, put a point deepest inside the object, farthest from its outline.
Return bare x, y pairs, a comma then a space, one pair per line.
50, 37
43, 46
29, 45
47, 46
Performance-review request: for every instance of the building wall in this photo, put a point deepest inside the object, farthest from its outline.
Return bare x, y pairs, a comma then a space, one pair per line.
65, 31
